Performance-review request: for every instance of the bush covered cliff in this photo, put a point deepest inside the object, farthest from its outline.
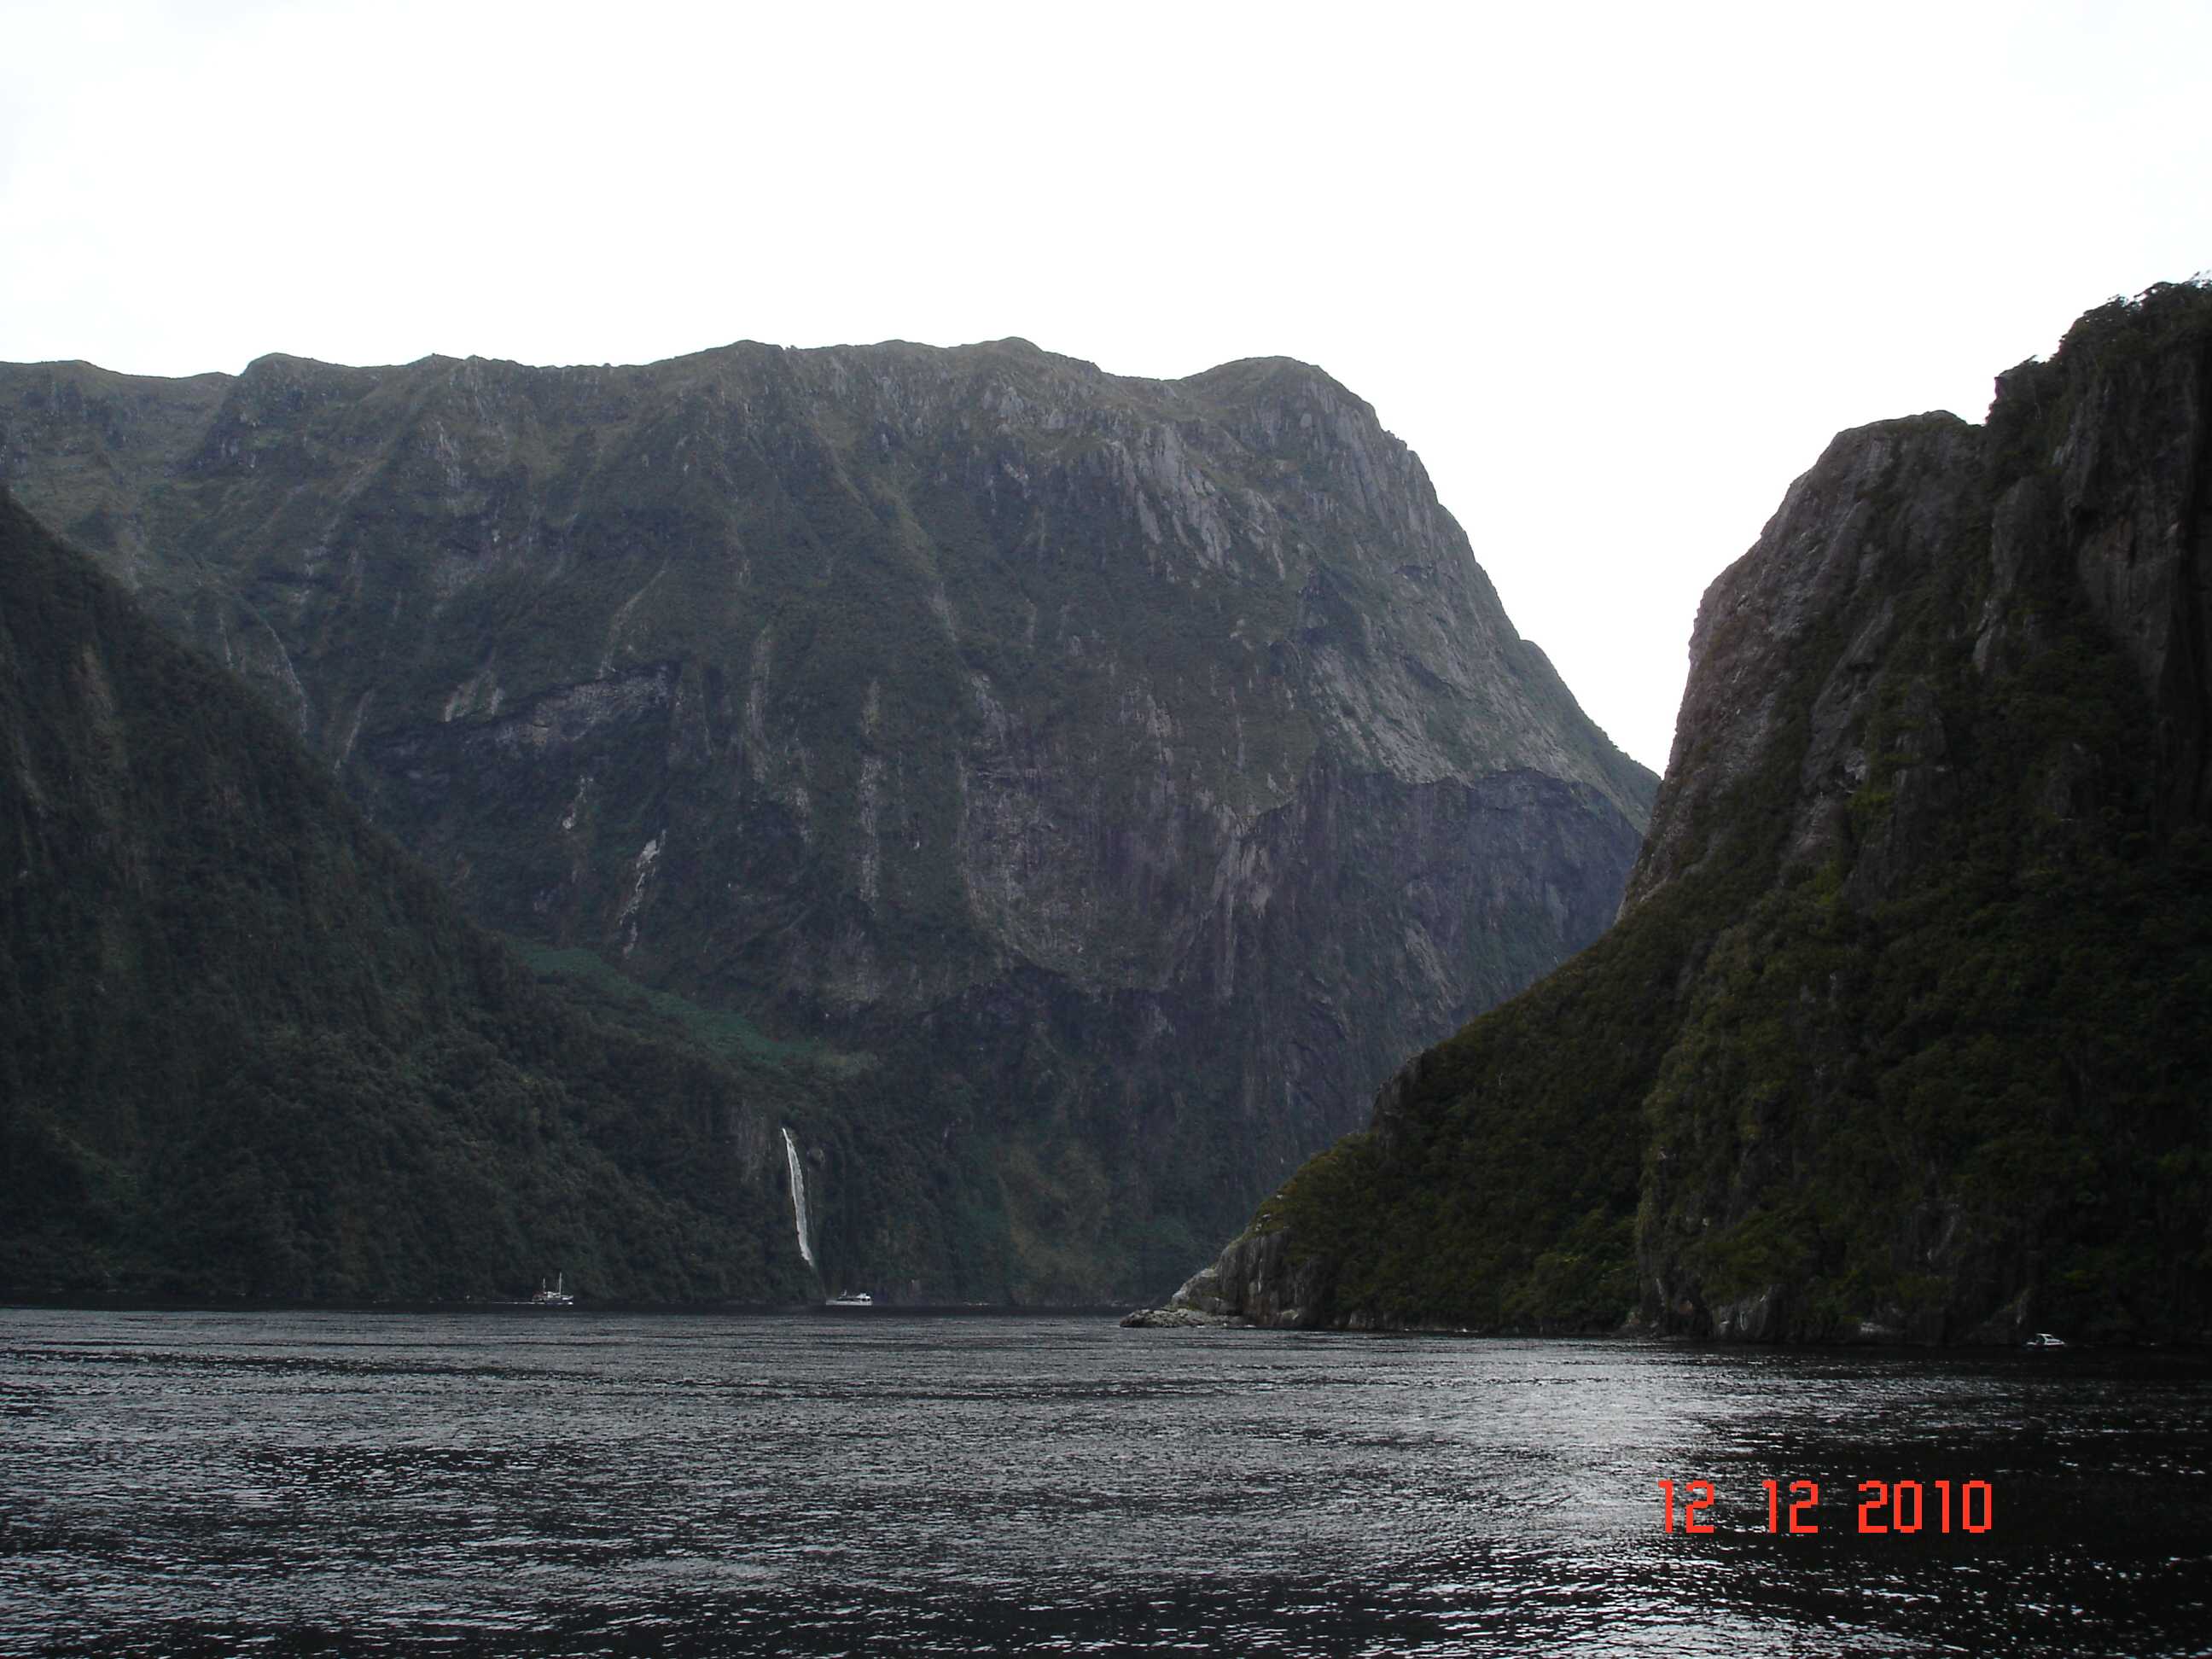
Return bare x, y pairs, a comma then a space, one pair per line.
1905, 1029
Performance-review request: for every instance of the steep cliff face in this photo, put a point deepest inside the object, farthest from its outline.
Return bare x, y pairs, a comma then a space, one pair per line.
1903, 1029
1947, 1081
1130, 769
248, 1048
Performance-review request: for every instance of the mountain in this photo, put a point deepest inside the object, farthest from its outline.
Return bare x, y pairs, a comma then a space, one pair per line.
1103, 781
249, 1047
1904, 1030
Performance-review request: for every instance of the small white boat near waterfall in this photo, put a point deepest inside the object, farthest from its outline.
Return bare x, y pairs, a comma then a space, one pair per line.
851, 1299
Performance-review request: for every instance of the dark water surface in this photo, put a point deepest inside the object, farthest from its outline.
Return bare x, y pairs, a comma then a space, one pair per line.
567, 1482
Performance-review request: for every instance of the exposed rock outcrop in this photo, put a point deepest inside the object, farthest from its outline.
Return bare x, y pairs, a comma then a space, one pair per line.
1257, 1281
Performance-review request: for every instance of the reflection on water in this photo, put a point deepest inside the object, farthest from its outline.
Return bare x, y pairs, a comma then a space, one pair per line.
571, 1483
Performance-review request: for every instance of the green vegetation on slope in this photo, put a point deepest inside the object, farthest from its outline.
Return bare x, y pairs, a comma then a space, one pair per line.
1500, 1187
248, 1048
1942, 1075
1987, 1086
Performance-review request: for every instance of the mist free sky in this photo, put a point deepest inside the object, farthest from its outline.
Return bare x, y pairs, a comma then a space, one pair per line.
1617, 273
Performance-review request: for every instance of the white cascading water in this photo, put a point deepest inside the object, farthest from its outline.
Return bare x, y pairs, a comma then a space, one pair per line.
798, 1195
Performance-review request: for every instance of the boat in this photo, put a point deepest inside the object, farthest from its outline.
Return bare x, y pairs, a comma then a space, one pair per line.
558, 1296
851, 1299
2043, 1340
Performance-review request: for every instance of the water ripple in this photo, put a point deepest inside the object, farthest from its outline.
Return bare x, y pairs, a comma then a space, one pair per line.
570, 1484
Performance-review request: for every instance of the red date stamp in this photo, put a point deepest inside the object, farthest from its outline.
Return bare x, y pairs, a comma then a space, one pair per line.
1885, 1506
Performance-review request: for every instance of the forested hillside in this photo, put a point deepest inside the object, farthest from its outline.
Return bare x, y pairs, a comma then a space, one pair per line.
249, 1047
1906, 1027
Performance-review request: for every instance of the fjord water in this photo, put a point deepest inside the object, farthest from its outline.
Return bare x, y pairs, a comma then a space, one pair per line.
568, 1482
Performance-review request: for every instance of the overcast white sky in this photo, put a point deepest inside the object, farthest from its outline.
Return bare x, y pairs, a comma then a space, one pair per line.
1617, 272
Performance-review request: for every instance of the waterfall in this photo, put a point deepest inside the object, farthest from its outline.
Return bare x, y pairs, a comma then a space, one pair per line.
798, 1195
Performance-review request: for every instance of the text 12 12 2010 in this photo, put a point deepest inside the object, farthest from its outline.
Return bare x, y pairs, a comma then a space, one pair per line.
1884, 1506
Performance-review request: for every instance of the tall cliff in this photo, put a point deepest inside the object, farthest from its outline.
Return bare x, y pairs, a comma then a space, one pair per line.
248, 1048
1112, 777
1905, 1028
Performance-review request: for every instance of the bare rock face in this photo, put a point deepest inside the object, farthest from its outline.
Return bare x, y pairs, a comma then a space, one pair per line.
1101, 782
2135, 495
1826, 572
2120, 500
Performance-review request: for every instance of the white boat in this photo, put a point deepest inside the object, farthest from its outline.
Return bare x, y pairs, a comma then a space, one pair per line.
2043, 1340
557, 1296
851, 1299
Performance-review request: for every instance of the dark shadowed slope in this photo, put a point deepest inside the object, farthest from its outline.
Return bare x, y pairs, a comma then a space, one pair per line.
247, 1046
